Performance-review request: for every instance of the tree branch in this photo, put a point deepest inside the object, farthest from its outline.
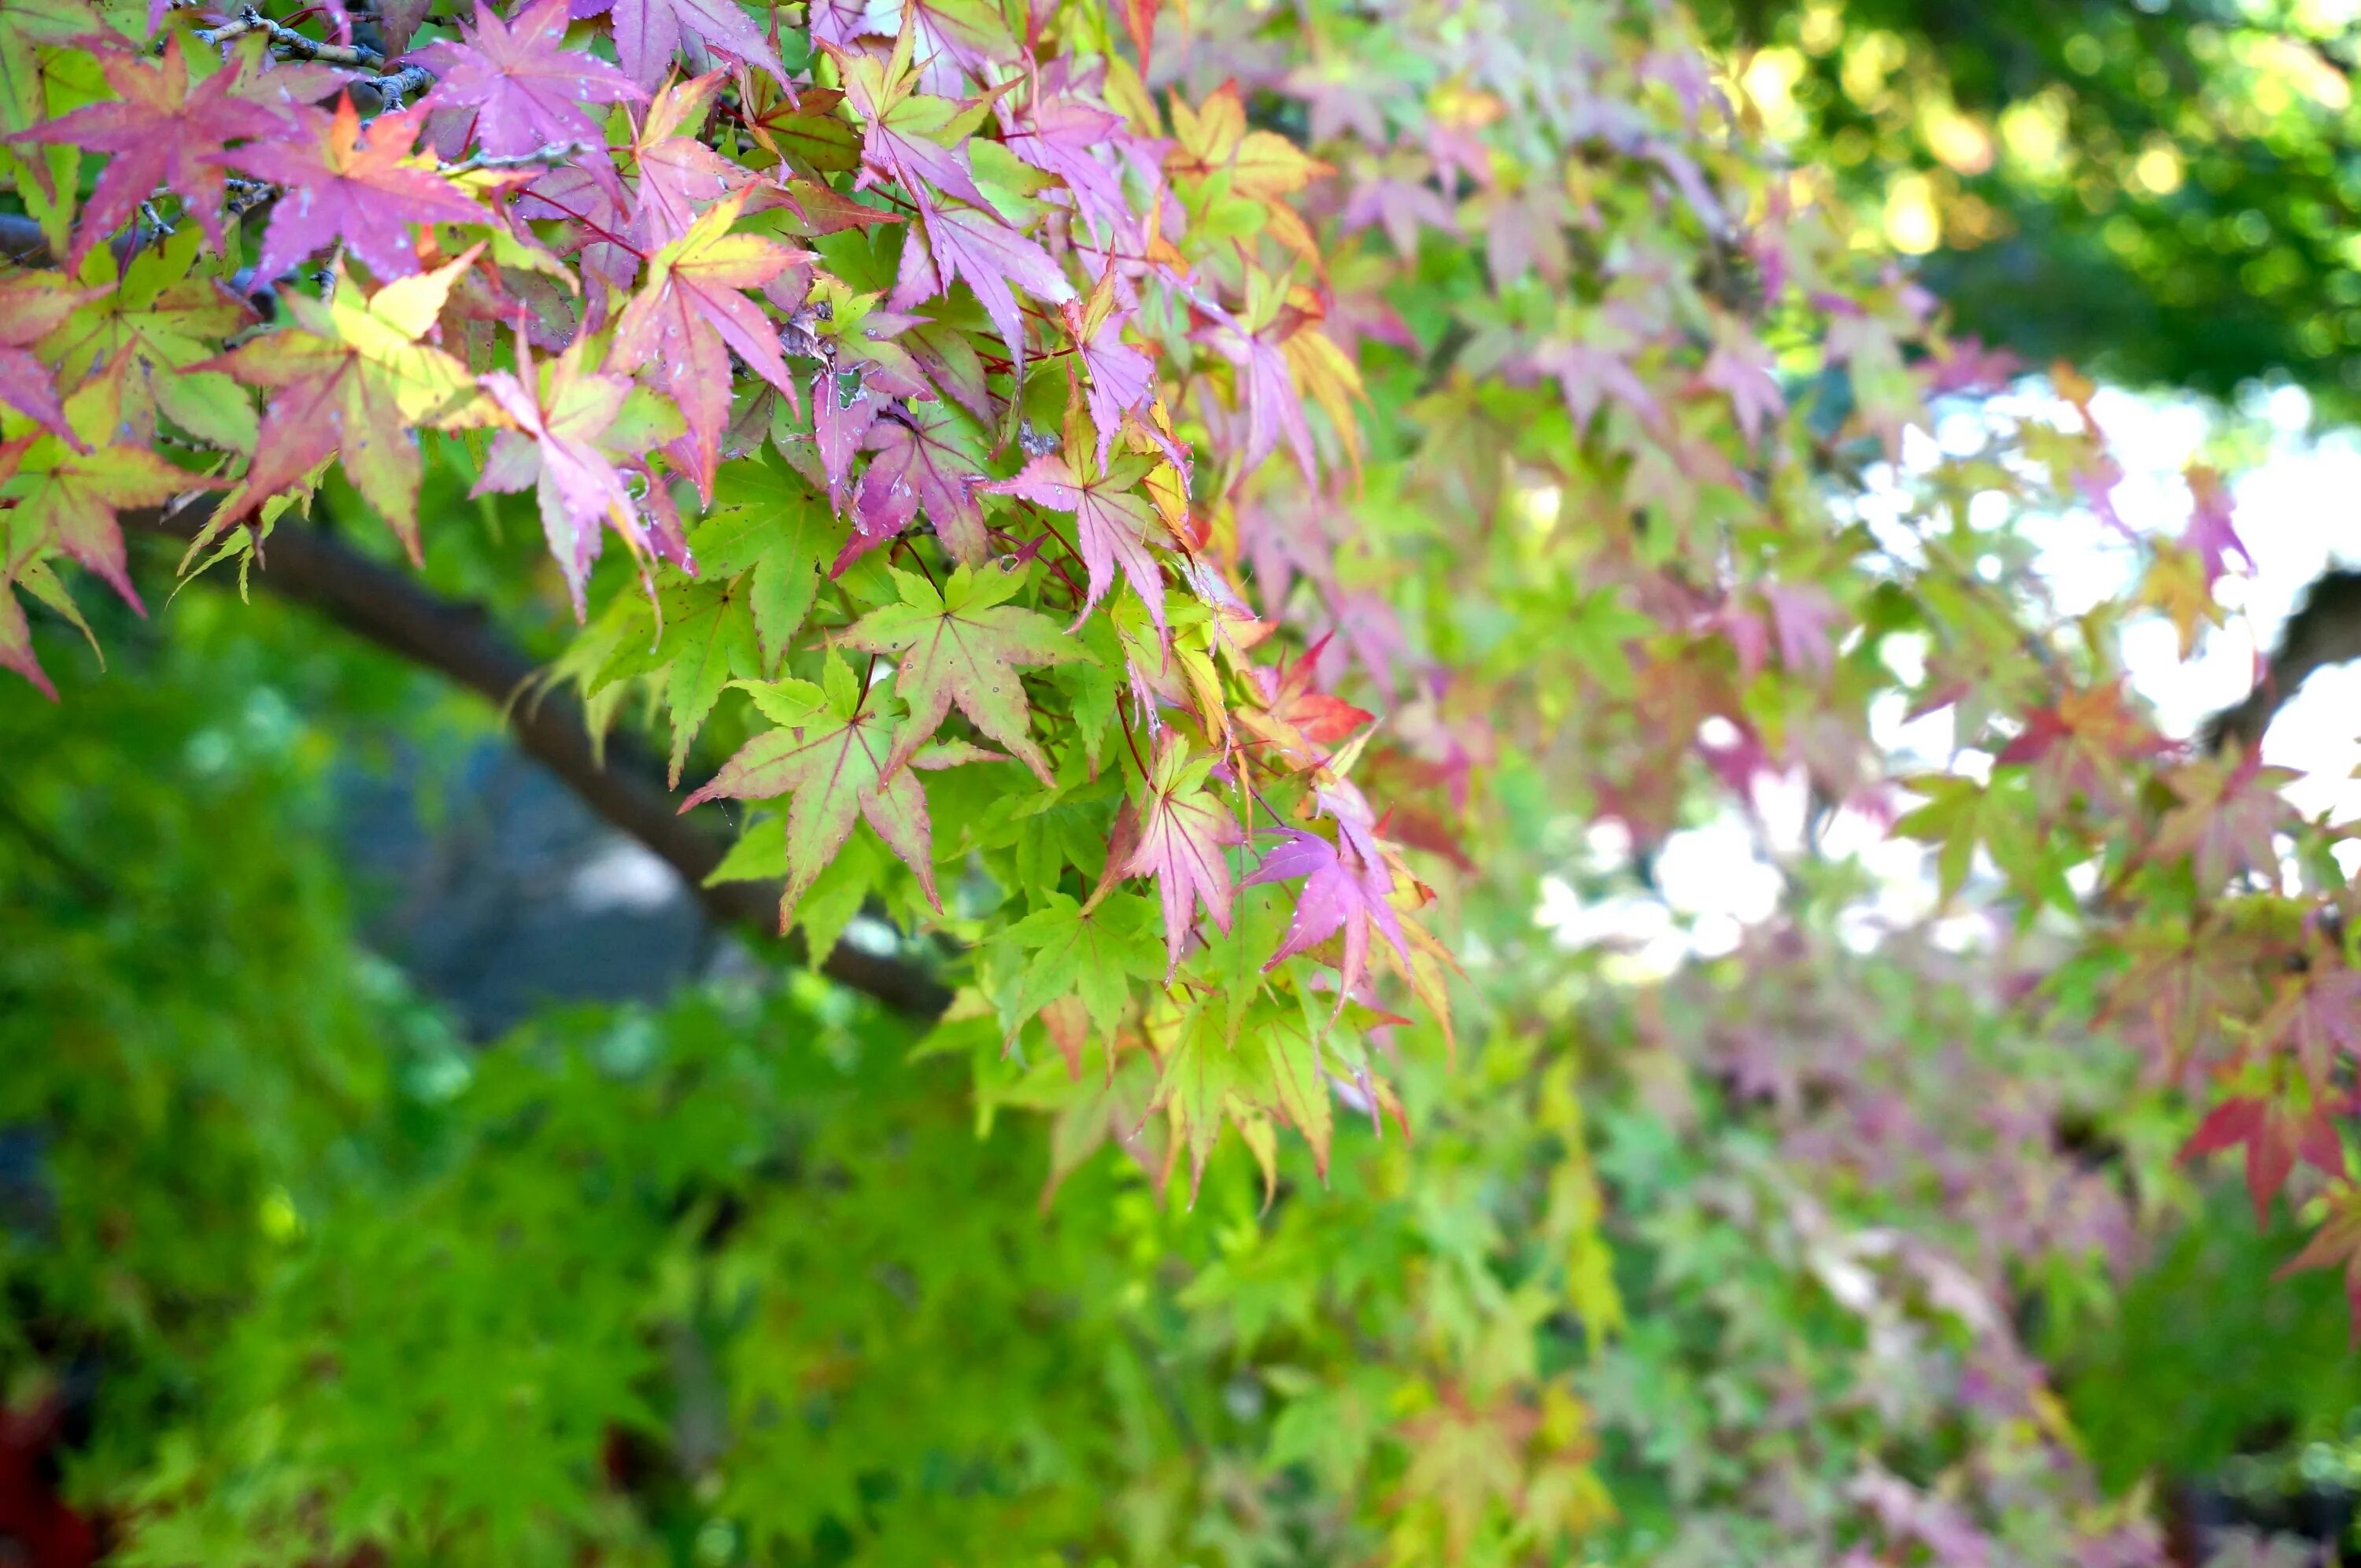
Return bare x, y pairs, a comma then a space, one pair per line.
459, 641
2324, 629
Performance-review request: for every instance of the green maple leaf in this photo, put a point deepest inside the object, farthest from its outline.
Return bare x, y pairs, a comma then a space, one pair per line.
830, 754
965, 645
767, 520
68, 500
708, 641
1091, 954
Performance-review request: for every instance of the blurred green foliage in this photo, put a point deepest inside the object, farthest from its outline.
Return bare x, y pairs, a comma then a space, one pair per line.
2163, 193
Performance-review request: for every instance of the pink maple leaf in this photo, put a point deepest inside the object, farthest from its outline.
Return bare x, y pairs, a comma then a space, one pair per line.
1342, 892
1266, 390
2212, 531
1111, 521
648, 35
341, 187
559, 420
163, 129
1183, 835
954, 242
919, 463
526, 89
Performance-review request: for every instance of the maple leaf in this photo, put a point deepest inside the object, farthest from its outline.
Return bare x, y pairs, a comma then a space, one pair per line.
1111, 520
690, 315
830, 756
525, 89
2336, 1244
1265, 385
2228, 813
925, 457
648, 35
964, 645
32, 306
559, 415
339, 187
2275, 1136
1091, 954
1742, 370
163, 129
1342, 892
2212, 531
1063, 135
1121, 379
1262, 166
677, 174
69, 497
351, 380
2317, 1014
16, 642
907, 136
952, 243
1183, 833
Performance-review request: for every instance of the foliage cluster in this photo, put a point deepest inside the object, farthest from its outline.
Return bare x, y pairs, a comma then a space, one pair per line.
1201, 516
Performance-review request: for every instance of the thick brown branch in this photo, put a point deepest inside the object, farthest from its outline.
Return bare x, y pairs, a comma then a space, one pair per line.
2324, 629
459, 641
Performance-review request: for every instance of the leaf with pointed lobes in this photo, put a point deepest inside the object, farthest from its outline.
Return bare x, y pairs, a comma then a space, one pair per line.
2275, 1134
1122, 378
2336, 1244
1266, 388
925, 457
831, 756
342, 185
649, 33
691, 313
349, 379
1294, 715
678, 174
1184, 832
558, 415
1111, 520
2319, 1014
964, 645
32, 306
16, 642
954, 242
2212, 531
2229, 812
525, 89
162, 129
1342, 892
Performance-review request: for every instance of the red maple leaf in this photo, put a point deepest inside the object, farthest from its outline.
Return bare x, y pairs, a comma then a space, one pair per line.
1110, 521
164, 130
1182, 837
340, 187
1314, 715
2275, 1136
526, 89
